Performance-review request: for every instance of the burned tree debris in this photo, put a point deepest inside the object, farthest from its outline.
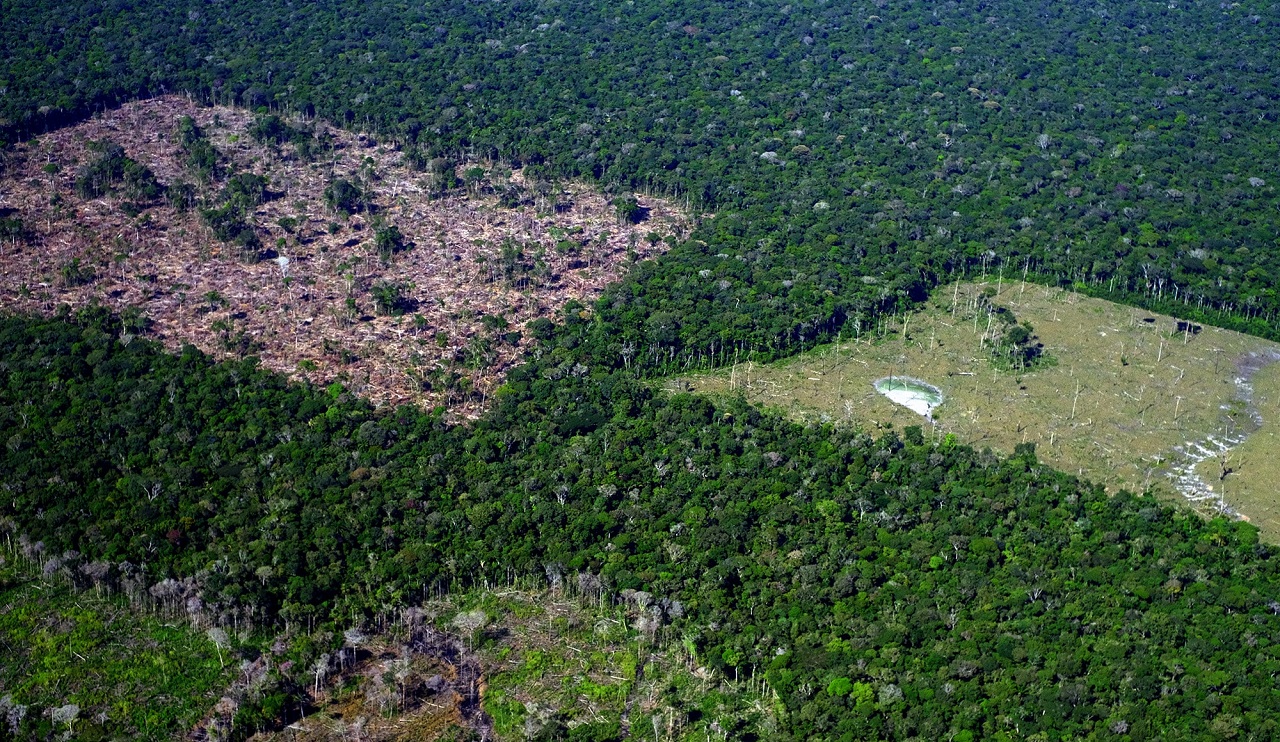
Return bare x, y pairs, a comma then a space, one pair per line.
327, 255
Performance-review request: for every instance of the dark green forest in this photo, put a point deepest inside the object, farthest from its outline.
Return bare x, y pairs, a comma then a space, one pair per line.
888, 587
854, 157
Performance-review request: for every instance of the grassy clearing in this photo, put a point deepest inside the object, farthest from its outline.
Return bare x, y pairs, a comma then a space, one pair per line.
1121, 389
131, 675
1253, 483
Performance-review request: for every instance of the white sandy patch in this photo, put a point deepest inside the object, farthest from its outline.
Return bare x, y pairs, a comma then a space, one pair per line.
914, 401
917, 396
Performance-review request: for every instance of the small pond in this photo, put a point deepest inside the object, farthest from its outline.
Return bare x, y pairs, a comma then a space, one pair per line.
918, 396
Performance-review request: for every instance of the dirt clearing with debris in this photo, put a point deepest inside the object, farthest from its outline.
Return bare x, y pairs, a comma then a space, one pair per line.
324, 253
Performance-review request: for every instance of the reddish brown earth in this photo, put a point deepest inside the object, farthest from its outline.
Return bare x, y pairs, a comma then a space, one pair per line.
423, 686
168, 263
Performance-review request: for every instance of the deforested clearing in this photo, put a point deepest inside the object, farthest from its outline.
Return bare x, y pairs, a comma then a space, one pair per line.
349, 264
1246, 475
1122, 396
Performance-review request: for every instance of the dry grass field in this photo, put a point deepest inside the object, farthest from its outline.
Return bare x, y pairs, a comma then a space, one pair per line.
474, 271
1124, 398
1248, 476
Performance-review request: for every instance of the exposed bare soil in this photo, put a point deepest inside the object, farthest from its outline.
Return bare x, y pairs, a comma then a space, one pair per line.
315, 317
415, 683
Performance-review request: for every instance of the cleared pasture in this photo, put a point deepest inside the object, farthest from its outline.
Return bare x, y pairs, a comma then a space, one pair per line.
1123, 397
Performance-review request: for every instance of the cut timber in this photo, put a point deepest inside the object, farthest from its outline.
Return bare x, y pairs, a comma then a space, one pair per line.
311, 314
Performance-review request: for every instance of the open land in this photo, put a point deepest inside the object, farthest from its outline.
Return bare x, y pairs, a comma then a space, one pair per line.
1248, 475
1123, 396
473, 272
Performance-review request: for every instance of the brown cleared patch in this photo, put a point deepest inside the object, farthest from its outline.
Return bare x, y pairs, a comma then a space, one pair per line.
167, 262
525, 660
415, 683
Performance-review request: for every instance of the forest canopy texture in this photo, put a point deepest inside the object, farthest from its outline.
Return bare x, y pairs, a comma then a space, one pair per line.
854, 156
886, 588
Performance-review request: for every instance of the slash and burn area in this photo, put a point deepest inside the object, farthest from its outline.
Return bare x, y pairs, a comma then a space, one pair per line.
406, 275
514, 663
91, 655
1119, 395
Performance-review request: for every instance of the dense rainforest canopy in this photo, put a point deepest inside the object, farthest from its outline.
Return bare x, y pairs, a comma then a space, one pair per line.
854, 156
891, 587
